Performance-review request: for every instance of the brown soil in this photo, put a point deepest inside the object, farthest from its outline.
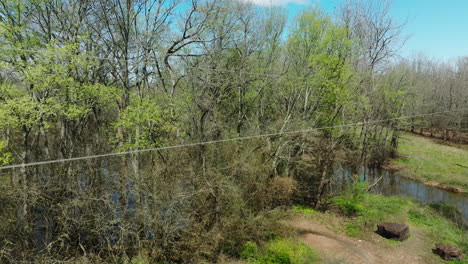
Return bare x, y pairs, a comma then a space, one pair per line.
444, 187
334, 247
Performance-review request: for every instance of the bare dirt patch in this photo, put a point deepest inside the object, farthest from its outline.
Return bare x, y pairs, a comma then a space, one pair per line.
335, 247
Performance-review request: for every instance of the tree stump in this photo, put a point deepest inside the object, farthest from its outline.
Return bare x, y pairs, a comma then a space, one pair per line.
448, 252
395, 231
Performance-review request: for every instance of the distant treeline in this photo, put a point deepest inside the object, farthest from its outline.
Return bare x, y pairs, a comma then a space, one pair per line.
454, 135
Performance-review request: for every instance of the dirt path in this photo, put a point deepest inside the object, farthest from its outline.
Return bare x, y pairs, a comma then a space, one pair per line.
338, 248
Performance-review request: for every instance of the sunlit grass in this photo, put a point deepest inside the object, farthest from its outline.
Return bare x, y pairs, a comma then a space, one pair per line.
442, 223
279, 251
426, 160
374, 210
304, 209
439, 227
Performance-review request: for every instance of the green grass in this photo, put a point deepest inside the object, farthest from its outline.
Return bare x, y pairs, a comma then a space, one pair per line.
373, 209
425, 160
366, 210
439, 227
304, 209
279, 251
442, 224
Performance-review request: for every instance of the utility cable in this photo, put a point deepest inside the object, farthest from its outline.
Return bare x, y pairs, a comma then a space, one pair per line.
37, 163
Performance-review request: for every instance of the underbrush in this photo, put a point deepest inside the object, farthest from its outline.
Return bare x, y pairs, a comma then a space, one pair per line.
278, 251
450, 212
90, 229
351, 203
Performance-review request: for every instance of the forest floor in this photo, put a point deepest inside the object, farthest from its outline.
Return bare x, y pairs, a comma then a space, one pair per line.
433, 162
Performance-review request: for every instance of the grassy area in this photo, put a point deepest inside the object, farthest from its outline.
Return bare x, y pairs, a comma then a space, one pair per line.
356, 213
304, 209
376, 210
426, 160
397, 209
279, 251
440, 225
365, 210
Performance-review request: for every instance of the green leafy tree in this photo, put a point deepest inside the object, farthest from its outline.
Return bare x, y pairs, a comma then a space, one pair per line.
5, 157
146, 124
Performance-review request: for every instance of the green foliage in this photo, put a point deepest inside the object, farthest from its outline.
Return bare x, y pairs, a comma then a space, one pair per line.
352, 202
304, 209
353, 229
426, 160
72, 79
49, 91
146, 124
141, 259
377, 208
5, 157
439, 227
62, 90
449, 211
249, 250
20, 109
320, 49
284, 251
368, 209
458, 262
392, 208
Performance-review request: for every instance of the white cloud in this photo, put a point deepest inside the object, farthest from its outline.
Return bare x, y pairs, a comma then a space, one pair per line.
276, 2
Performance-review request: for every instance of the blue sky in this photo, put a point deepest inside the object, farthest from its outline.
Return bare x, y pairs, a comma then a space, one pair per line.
436, 28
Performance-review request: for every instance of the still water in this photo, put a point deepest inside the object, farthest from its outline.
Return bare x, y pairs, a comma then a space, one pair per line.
393, 183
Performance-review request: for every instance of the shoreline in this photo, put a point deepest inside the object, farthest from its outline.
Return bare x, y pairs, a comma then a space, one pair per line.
392, 167
432, 163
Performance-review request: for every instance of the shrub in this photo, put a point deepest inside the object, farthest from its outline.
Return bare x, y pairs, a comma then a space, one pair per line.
285, 251
351, 203
280, 191
349, 207
304, 209
249, 250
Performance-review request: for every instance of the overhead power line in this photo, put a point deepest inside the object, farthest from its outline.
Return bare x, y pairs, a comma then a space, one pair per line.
214, 141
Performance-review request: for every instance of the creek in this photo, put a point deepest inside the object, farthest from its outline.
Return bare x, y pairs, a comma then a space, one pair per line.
394, 183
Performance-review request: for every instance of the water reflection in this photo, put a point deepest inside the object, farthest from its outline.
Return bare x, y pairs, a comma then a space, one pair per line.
393, 183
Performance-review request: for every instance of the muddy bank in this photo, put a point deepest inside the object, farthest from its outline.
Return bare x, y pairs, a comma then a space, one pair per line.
453, 189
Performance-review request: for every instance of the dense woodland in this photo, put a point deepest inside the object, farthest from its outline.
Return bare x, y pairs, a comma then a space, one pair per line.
81, 78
